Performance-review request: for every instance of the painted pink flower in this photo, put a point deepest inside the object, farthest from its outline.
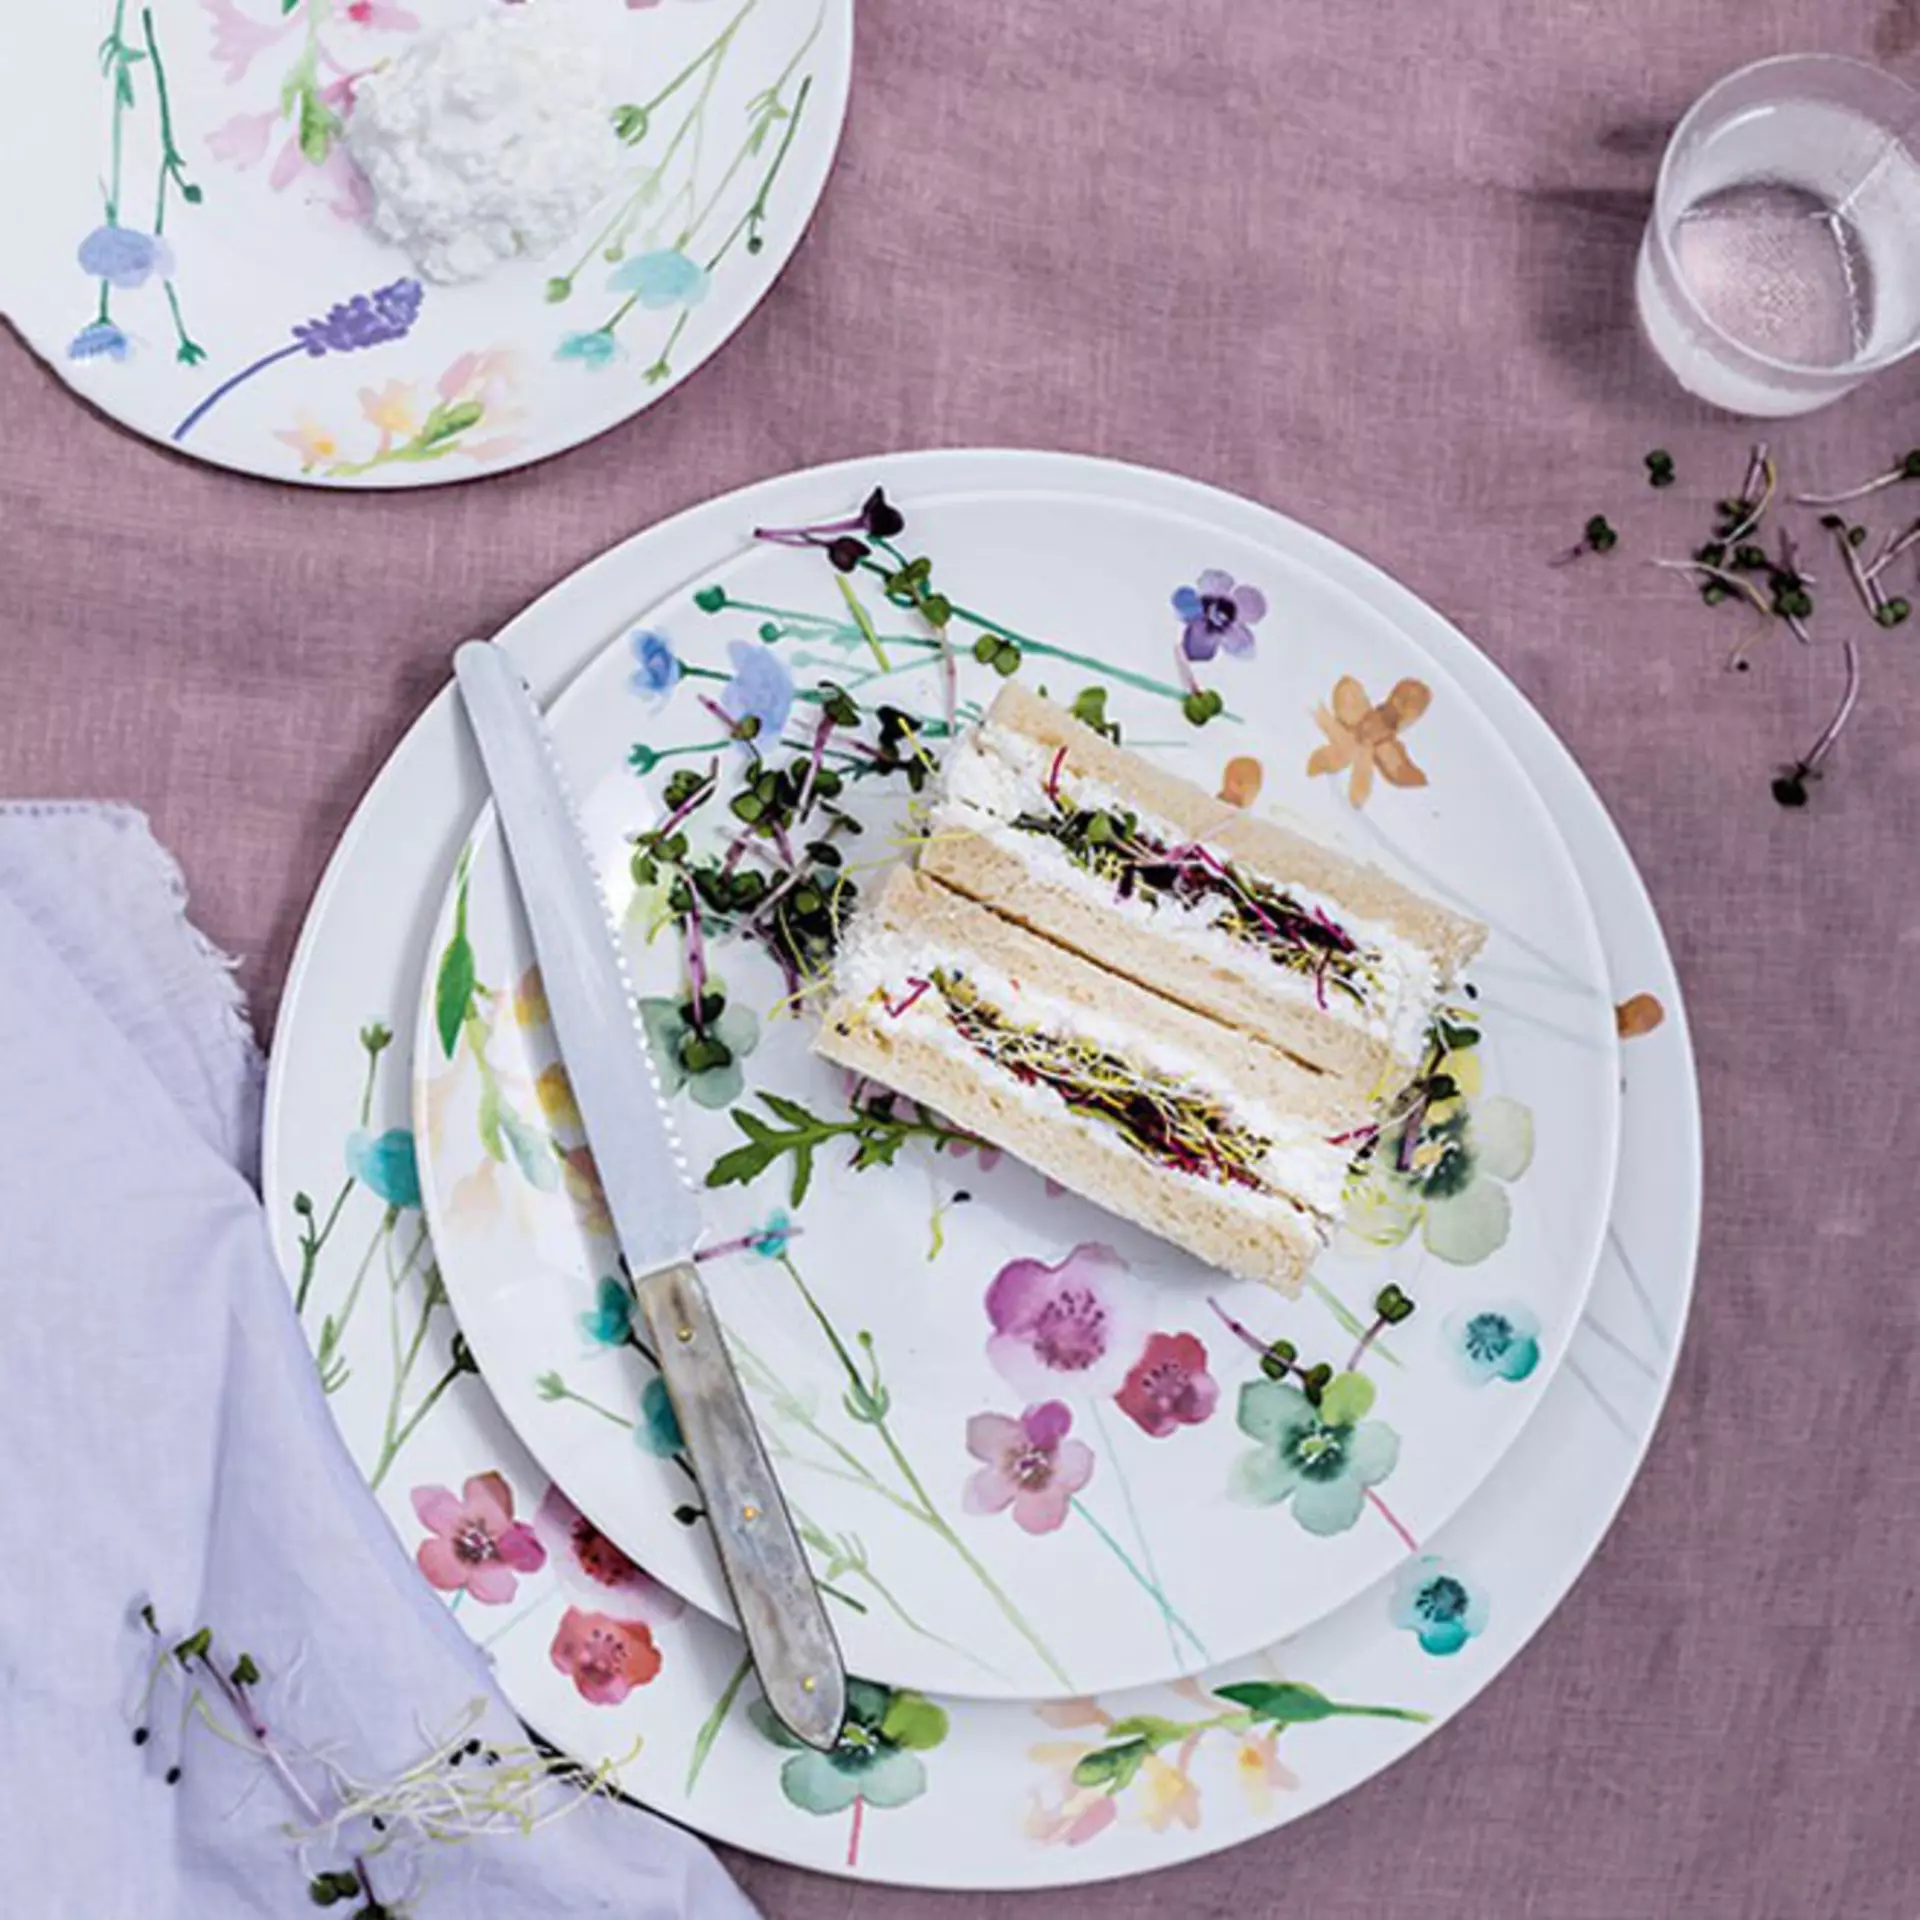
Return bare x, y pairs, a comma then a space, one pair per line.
477, 1547
1030, 1466
238, 38
1064, 1329
989, 1157
1169, 1385
590, 1565
383, 14
242, 141
603, 1657
1076, 1817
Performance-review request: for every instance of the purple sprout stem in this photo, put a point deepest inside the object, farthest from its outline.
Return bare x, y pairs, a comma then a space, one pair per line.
686, 806
1890, 479
720, 713
1367, 1339
696, 961
1824, 745
226, 386
744, 1244
1864, 583
1235, 1328
1893, 549
814, 757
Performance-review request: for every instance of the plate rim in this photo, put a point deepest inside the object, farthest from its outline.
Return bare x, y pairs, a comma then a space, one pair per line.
545, 660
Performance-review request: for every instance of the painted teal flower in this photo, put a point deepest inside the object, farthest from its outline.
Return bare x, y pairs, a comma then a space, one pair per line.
596, 349
125, 257
663, 278
657, 671
1321, 1458
1493, 1343
704, 1060
612, 1317
876, 1759
1436, 1601
101, 340
771, 1240
658, 1429
386, 1163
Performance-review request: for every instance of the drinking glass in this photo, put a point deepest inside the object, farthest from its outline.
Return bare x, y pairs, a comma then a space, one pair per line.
1781, 264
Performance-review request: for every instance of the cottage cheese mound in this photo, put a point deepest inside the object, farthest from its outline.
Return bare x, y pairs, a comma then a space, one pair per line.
488, 141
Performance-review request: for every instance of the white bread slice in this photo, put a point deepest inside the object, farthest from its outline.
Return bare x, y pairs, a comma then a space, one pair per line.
913, 1049
992, 866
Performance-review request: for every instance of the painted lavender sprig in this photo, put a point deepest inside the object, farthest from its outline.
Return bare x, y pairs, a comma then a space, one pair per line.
349, 326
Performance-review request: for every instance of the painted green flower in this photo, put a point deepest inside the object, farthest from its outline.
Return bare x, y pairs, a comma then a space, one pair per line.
1452, 1189
1323, 1458
877, 1757
704, 1059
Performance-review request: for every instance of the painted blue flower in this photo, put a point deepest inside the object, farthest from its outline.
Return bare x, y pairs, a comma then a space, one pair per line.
1435, 1600
658, 1429
770, 1242
1217, 614
663, 278
385, 1163
1493, 1343
125, 257
1322, 1458
612, 1317
760, 692
658, 670
596, 349
101, 340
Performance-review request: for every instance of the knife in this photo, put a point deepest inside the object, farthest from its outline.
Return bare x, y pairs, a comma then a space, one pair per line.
655, 1213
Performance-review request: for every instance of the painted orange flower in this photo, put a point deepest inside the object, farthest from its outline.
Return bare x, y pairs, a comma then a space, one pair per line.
1641, 1014
1366, 737
1240, 783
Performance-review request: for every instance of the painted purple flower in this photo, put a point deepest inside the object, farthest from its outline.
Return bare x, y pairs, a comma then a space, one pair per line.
760, 691
1030, 1466
367, 320
125, 257
1218, 614
1169, 1386
1064, 1329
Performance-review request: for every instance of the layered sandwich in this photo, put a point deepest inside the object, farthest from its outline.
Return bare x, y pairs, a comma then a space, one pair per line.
1230, 1147
1049, 823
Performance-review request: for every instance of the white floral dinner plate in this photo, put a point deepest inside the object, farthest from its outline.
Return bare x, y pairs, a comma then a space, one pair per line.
959, 1793
194, 259
1032, 1450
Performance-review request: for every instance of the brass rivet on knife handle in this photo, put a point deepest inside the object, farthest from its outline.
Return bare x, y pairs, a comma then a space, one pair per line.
780, 1609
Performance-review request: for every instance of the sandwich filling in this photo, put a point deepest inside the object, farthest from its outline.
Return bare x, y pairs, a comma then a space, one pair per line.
1074, 832
1169, 1107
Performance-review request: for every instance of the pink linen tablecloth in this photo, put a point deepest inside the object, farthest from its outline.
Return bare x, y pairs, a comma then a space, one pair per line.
1372, 265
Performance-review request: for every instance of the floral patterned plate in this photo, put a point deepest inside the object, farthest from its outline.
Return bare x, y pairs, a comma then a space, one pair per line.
958, 1793
194, 257
1032, 1451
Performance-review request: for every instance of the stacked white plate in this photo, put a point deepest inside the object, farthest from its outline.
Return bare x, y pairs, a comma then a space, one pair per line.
1146, 1663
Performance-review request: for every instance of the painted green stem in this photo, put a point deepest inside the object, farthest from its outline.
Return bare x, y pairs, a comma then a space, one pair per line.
928, 1513
710, 1727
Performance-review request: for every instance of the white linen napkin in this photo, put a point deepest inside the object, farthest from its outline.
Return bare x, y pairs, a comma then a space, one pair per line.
164, 1442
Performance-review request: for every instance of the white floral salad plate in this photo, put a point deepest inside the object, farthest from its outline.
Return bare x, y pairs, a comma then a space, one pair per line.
927, 1791
195, 259
1032, 1450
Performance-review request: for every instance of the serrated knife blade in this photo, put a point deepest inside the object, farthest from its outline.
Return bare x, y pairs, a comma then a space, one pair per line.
655, 1213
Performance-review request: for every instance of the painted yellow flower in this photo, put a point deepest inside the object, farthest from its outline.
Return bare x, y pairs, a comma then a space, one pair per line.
391, 409
315, 444
1366, 737
554, 1091
530, 999
1167, 1795
1258, 1768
